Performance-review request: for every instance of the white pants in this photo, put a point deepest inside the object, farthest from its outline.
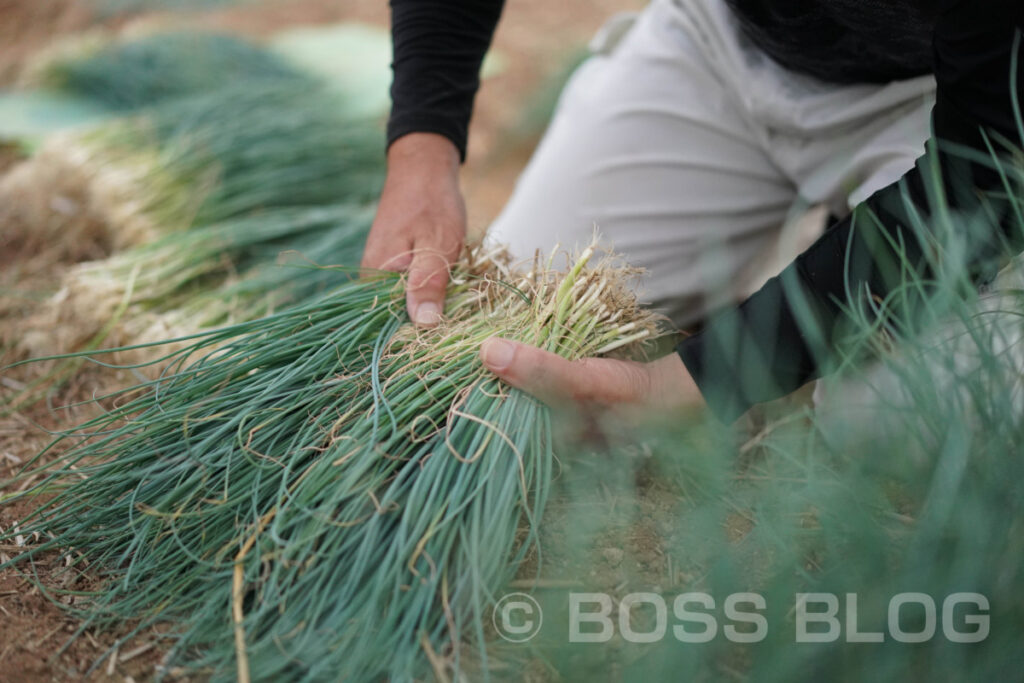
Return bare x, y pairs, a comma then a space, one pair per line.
693, 153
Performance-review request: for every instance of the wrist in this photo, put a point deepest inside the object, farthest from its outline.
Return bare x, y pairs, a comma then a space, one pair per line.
423, 152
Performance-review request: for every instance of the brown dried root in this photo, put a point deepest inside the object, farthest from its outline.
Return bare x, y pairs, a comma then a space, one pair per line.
587, 309
66, 205
94, 309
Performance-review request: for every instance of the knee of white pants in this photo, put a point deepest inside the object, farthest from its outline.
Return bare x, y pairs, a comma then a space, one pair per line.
647, 147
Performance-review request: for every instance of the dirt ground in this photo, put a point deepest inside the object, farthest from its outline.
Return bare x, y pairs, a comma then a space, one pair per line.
535, 38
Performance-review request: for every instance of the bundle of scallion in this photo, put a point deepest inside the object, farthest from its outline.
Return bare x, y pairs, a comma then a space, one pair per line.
193, 162
222, 155
327, 493
187, 281
127, 74
109, 8
208, 275
236, 270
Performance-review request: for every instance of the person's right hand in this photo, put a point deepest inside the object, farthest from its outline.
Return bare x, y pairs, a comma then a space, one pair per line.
421, 221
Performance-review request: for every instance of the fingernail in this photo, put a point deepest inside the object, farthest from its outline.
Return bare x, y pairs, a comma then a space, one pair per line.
497, 353
427, 313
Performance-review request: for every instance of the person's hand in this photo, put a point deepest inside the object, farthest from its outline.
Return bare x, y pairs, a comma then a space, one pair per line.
421, 221
661, 387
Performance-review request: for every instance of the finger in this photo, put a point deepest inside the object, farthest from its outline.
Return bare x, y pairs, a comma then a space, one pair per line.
546, 375
386, 253
425, 288
553, 379
388, 261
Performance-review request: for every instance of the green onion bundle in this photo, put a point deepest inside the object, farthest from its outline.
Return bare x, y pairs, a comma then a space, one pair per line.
328, 493
129, 74
186, 164
226, 272
219, 128
108, 8
223, 155
233, 270
202, 277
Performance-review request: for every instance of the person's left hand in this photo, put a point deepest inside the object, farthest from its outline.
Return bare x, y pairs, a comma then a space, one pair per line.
661, 387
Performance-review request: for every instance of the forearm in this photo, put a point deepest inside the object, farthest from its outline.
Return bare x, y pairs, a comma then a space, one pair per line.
439, 46
420, 225
422, 157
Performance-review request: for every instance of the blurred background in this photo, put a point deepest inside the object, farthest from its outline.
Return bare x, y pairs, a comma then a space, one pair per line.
536, 44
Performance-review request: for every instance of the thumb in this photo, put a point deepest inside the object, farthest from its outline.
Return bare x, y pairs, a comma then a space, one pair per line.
552, 378
546, 375
425, 289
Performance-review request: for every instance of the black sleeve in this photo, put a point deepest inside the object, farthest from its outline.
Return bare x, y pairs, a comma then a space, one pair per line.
438, 48
786, 333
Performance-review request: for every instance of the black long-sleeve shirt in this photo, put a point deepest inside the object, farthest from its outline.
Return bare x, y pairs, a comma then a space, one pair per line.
781, 337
